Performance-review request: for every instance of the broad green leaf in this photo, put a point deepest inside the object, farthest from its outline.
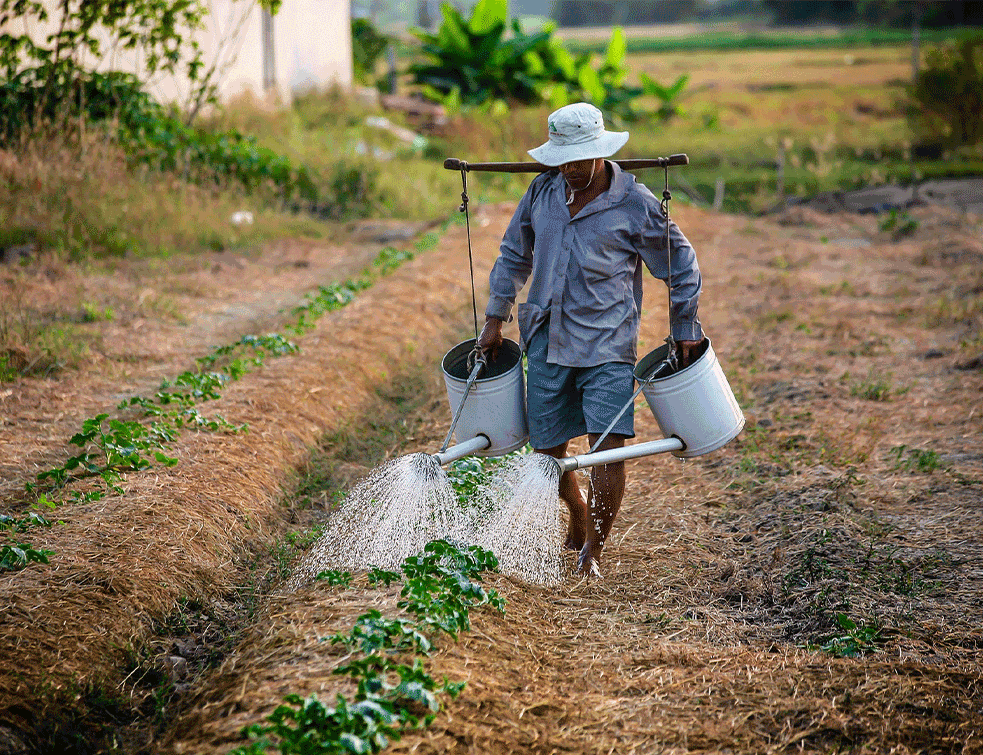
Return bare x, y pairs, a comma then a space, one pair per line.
563, 60
590, 83
451, 33
487, 14
617, 48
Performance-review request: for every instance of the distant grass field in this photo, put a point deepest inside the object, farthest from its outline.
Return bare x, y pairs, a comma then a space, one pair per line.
729, 38
833, 115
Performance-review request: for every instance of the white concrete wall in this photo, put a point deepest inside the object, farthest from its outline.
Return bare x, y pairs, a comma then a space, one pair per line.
312, 49
313, 44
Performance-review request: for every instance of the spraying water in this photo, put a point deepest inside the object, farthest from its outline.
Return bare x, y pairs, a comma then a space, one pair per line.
522, 524
391, 514
409, 501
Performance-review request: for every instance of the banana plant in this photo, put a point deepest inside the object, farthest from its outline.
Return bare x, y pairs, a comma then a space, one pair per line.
668, 95
481, 59
472, 57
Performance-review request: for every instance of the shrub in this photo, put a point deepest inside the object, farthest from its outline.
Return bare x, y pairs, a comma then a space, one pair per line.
25, 103
948, 96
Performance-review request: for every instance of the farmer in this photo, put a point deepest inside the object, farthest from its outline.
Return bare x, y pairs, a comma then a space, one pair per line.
581, 233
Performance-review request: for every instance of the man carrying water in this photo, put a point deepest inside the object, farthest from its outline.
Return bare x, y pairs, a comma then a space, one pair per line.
582, 233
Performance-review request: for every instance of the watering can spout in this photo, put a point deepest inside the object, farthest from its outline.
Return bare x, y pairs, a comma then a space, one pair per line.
624, 453
478, 443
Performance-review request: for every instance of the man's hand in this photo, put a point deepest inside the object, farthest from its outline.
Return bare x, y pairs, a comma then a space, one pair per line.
491, 337
686, 351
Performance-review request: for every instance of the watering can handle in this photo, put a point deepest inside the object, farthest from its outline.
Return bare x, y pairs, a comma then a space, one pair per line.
476, 356
479, 365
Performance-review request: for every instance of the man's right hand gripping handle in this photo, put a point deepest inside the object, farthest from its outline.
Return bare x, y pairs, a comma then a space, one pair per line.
490, 339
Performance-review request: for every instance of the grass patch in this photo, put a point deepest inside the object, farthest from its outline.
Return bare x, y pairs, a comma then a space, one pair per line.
922, 461
875, 387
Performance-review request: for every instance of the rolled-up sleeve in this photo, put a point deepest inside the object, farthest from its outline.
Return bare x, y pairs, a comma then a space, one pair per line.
685, 282
514, 263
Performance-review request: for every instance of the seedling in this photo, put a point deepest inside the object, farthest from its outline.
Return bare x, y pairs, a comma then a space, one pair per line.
120, 447
335, 578
855, 641
19, 555
24, 523
372, 632
925, 461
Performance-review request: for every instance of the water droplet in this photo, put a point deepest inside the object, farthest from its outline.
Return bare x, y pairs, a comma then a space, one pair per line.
391, 514
407, 502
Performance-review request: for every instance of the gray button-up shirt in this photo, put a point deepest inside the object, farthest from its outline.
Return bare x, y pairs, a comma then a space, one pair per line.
587, 270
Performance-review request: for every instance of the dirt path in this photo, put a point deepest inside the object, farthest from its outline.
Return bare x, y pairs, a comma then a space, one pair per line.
854, 491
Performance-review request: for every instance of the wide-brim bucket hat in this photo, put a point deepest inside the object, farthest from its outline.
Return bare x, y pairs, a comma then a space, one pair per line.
577, 133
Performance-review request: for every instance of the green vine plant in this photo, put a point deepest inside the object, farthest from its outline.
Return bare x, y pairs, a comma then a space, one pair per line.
110, 448
16, 554
393, 694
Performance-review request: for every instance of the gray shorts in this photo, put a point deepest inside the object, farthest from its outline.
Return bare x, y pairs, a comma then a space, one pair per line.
567, 402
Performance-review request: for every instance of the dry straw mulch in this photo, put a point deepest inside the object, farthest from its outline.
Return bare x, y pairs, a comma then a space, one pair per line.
76, 629
725, 574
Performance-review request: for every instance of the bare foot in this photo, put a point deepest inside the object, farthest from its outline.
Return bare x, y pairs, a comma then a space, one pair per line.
588, 565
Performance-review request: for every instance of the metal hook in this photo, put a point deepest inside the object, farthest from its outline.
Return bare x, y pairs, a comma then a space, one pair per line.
464, 192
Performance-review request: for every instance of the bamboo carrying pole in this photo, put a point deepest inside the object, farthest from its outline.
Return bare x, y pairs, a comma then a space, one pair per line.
453, 163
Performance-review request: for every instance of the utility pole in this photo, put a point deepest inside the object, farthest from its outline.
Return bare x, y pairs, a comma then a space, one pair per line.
917, 9
269, 53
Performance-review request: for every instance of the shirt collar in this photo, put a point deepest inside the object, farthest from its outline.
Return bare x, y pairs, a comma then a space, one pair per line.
620, 184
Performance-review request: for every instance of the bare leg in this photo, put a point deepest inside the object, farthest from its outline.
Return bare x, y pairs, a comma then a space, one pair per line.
606, 490
570, 493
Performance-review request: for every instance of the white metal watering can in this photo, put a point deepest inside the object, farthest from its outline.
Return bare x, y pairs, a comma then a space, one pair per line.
695, 407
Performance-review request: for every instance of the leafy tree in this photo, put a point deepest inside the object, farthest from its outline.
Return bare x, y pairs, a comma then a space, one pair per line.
52, 68
948, 95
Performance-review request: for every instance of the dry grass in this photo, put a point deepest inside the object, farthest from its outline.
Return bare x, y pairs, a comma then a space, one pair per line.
76, 629
91, 231
726, 573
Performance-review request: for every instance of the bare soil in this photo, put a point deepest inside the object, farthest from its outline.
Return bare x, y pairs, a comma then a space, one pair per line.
856, 490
